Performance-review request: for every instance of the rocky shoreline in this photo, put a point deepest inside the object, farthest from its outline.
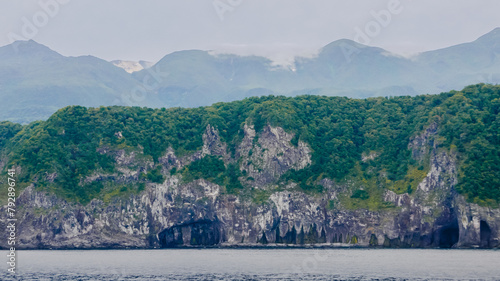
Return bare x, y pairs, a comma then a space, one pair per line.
198, 214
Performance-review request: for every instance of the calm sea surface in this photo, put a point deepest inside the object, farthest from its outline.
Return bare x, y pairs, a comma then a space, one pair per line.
262, 264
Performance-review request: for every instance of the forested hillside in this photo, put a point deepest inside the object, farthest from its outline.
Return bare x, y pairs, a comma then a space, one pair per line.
59, 153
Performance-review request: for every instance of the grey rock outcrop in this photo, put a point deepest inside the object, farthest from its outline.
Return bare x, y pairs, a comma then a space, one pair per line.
176, 213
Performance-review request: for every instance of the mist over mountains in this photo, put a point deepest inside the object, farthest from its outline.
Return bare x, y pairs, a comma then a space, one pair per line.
35, 81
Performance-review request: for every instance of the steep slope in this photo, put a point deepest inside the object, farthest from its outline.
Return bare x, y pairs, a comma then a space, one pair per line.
394, 172
464, 64
480, 54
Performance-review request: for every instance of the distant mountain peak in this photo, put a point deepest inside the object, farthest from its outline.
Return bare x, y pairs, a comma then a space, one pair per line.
347, 46
29, 44
346, 43
492, 36
29, 48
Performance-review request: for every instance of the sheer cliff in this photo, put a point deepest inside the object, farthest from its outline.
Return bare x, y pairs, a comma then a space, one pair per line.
388, 172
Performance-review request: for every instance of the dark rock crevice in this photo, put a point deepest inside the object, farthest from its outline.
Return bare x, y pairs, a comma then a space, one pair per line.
485, 234
448, 235
198, 233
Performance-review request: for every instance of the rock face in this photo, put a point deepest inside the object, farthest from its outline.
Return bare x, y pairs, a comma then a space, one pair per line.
175, 213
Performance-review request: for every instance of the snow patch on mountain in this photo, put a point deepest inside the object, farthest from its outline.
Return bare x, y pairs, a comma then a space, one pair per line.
132, 66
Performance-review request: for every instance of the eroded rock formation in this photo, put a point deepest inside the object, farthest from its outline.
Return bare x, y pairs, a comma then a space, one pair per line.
175, 213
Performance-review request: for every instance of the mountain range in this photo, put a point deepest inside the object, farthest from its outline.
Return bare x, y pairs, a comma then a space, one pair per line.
35, 81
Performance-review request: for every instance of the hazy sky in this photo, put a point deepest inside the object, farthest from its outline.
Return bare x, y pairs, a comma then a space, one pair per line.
148, 30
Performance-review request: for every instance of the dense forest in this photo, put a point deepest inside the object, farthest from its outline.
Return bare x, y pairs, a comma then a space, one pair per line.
338, 130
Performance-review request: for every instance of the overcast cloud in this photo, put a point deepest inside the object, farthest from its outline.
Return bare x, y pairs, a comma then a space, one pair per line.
148, 30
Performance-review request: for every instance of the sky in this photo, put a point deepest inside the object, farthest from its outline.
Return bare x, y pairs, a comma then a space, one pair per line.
278, 29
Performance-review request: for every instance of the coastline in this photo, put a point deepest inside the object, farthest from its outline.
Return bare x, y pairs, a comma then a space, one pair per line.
270, 246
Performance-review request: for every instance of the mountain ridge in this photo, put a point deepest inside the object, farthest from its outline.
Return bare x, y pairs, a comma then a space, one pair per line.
193, 78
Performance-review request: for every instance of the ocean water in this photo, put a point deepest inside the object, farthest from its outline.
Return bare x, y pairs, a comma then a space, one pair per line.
258, 264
